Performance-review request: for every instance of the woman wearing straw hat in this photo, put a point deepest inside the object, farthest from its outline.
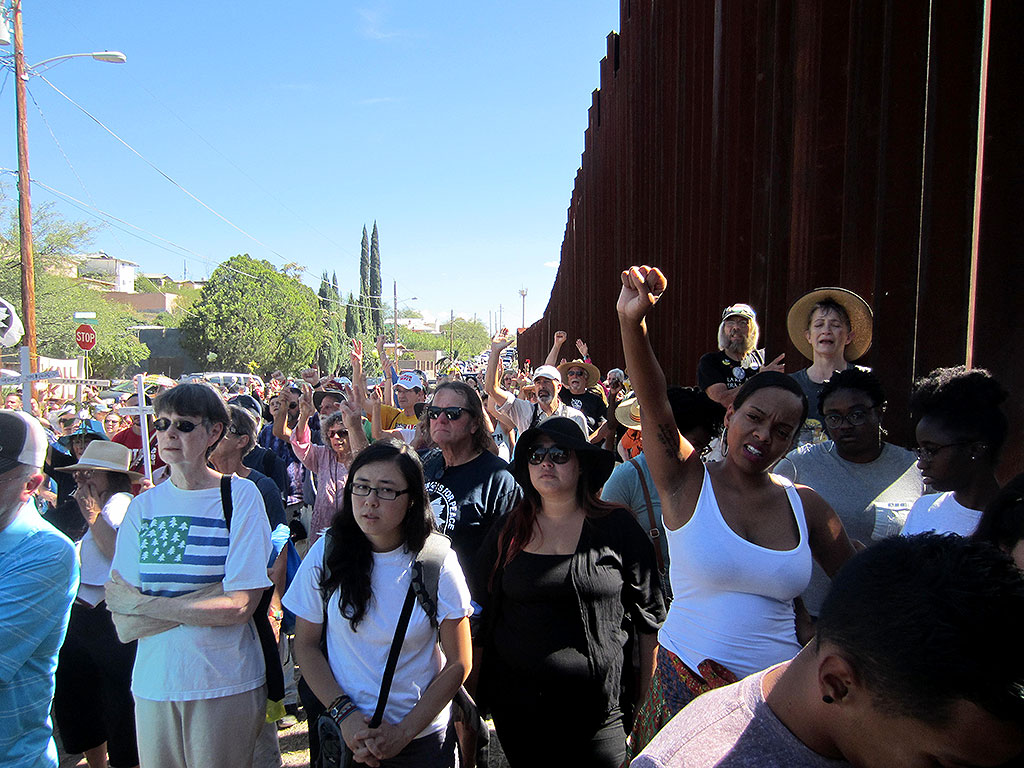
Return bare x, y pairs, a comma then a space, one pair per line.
558, 577
831, 327
93, 701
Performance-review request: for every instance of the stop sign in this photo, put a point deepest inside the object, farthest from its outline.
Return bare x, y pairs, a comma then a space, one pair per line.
85, 336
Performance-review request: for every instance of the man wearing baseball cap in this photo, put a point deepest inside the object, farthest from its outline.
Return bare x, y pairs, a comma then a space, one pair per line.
721, 374
409, 390
522, 413
38, 582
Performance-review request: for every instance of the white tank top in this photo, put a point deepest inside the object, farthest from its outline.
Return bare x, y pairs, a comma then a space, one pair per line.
733, 600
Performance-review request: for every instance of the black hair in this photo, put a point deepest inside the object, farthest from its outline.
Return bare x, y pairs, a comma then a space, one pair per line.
692, 408
1002, 522
928, 620
199, 400
766, 380
351, 557
965, 402
118, 482
859, 379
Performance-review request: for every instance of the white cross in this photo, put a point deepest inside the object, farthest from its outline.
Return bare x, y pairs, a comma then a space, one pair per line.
142, 410
25, 380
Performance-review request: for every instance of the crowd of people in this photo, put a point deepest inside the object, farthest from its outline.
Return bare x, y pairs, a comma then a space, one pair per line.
617, 571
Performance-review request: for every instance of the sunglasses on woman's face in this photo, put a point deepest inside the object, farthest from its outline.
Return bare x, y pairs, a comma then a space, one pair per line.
557, 454
342, 433
182, 425
452, 413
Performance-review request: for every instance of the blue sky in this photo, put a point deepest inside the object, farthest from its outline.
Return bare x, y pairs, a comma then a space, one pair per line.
457, 126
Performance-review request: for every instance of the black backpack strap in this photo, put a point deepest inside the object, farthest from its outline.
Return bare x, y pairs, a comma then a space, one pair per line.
260, 618
426, 573
225, 498
536, 416
396, 649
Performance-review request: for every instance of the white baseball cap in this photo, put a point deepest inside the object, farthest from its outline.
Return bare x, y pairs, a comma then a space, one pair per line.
22, 441
547, 372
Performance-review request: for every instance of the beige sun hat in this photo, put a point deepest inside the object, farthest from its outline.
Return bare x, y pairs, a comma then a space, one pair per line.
858, 310
627, 413
105, 456
593, 372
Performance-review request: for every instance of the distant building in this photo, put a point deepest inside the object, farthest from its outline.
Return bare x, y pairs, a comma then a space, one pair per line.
118, 273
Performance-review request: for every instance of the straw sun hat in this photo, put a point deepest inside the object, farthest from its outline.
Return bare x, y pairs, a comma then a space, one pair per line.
105, 456
861, 320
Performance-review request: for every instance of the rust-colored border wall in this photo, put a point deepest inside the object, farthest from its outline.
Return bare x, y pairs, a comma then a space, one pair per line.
755, 150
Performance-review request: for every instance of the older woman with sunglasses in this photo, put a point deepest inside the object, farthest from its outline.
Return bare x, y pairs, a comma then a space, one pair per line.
558, 578
343, 437
186, 580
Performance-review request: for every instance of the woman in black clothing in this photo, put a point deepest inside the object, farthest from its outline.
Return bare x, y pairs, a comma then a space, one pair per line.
559, 578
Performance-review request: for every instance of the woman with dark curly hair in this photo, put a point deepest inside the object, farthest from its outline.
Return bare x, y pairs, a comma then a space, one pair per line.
960, 431
354, 580
558, 578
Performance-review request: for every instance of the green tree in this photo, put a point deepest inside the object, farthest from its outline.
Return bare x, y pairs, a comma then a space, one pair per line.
330, 348
375, 284
365, 316
59, 296
353, 324
250, 312
470, 338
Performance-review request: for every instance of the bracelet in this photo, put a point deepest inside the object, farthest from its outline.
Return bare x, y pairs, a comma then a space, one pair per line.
341, 708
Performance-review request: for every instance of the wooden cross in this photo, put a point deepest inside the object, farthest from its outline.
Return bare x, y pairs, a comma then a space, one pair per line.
25, 380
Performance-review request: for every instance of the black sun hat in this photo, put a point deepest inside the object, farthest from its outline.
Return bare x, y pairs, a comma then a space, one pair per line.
566, 433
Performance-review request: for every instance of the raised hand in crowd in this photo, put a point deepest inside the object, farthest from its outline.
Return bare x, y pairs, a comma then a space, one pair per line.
311, 376
583, 348
556, 346
778, 364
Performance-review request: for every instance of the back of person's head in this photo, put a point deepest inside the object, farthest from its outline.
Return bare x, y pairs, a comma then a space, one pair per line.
22, 442
1002, 522
964, 401
930, 620
859, 379
693, 409
766, 380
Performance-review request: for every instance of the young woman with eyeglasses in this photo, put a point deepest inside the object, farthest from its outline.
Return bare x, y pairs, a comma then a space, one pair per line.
960, 429
558, 579
871, 484
741, 540
358, 591
185, 582
343, 437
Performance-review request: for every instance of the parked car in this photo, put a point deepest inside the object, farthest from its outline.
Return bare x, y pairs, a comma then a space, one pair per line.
227, 378
154, 384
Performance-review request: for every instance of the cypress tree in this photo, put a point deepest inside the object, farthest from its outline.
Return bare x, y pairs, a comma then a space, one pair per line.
365, 316
353, 326
375, 286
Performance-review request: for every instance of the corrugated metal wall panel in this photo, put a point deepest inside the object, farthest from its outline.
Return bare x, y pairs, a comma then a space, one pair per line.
756, 150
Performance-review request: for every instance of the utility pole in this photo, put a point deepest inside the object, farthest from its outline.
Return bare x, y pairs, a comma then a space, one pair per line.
394, 352
28, 275
522, 292
451, 337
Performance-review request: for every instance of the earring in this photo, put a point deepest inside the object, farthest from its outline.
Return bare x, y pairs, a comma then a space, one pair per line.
828, 699
725, 442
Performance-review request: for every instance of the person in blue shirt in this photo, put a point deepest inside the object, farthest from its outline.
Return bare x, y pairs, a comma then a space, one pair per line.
38, 582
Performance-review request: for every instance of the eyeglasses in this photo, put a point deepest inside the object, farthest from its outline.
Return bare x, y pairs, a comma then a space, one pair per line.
82, 474
384, 494
182, 425
929, 452
452, 413
232, 429
342, 433
555, 453
856, 419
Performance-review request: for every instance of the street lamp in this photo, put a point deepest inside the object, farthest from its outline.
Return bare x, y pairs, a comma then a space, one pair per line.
522, 292
21, 76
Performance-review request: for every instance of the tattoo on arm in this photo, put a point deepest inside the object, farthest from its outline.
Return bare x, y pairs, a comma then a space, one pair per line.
668, 435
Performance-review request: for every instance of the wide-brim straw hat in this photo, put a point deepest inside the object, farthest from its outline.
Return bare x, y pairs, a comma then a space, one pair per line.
320, 394
593, 372
627, 413
106, 456
858, 310
565, 433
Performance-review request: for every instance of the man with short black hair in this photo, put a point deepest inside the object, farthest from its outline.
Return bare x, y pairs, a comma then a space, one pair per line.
916, 661
38, 583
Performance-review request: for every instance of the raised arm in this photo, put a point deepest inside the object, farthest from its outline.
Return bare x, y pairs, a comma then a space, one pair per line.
675, 467
352, 416
556, 346
492, 379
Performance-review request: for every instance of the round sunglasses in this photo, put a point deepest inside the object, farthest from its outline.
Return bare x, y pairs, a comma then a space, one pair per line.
182, 425
556, 453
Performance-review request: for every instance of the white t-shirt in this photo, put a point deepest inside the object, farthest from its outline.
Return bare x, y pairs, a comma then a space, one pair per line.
95, 565
173, 542
358, 658
942, 513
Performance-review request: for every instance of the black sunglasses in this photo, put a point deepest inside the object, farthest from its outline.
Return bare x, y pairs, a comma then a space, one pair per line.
182, 425
338, 433
557, 454
452, 413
